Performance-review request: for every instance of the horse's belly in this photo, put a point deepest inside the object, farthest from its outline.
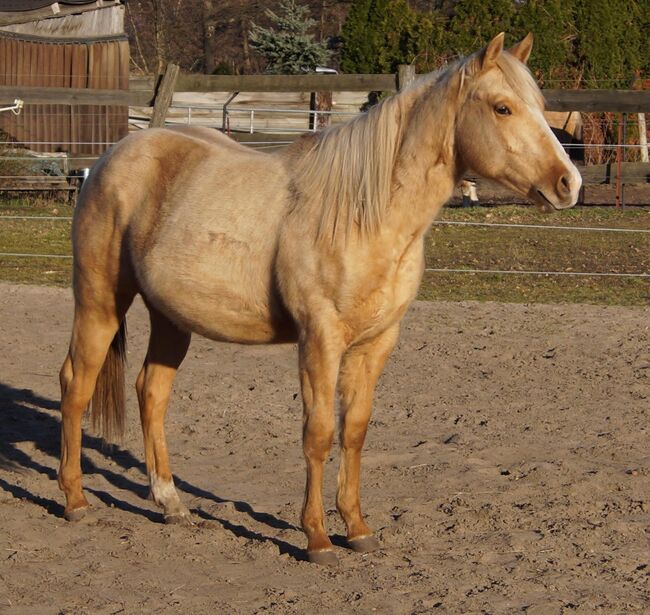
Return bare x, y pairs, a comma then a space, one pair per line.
214, 284
220, 312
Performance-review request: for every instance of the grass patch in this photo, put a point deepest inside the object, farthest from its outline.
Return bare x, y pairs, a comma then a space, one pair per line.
447, 247
35, 237
535, 249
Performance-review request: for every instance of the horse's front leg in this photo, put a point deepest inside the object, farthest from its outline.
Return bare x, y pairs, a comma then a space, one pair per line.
360, 371
320, 356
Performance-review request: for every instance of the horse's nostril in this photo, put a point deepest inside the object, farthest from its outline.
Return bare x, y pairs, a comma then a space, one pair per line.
564, 185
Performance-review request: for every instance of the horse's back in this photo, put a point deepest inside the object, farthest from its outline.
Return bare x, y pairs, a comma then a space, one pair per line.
193, 218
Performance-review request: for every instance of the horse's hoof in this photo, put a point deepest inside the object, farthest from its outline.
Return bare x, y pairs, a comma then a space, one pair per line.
326, 557
75, 515
178, 519
364, 544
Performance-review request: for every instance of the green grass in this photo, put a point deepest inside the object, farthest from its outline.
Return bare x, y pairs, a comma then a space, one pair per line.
35, 237
526, 249
455, 247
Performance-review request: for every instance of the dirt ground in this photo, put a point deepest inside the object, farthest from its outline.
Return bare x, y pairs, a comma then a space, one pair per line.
507, 470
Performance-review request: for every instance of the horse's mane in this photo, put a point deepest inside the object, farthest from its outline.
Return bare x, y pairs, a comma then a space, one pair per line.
347, 173
349, 169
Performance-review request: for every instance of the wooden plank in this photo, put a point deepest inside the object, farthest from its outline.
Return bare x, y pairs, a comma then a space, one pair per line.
286, 83
618, 101
60, 110
164, 95
34, 130
7, 19
66, 69
94, 82
75, 96
621, 101
631, 173
123, 73
77, 81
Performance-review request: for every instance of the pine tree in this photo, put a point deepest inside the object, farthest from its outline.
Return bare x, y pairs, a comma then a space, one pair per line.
551, 22
360, 39
289, 48
475, 22
378, 35
610, 45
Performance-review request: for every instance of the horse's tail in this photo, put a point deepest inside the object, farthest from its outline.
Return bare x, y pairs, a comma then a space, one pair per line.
108, 403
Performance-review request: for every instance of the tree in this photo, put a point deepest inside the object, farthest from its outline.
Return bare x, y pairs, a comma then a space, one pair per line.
552, 24
610, 45
474, 23
289, 49
209, 39
378, 35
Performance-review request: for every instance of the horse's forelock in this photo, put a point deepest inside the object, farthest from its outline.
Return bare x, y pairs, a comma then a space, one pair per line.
521, 80
516, 74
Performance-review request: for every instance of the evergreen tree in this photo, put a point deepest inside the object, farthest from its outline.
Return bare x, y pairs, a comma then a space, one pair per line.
378, 35
474, 23
551, 22
289, 49
360, 40
610, 45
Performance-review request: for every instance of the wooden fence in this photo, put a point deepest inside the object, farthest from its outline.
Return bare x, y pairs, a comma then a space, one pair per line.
144, 92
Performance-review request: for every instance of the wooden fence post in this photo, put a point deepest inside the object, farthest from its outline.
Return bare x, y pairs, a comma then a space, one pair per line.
163, 96
320, 101
405, 76
643, 137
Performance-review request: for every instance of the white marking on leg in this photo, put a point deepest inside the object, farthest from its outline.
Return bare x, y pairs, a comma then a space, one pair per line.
164, 494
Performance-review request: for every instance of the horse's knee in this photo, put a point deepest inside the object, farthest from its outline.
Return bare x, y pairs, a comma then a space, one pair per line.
317, 439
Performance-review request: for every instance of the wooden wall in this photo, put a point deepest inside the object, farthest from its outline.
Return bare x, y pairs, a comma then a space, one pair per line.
76, 129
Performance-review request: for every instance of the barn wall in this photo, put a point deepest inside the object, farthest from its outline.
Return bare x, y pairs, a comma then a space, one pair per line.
76, 129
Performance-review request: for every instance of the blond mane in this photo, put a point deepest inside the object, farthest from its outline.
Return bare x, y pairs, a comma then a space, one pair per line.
349, 169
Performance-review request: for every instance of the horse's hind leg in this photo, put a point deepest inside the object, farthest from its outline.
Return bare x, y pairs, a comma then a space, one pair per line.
167, 348
360, 370
95, 326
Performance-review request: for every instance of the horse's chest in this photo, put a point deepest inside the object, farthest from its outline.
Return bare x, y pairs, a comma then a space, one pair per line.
386, 292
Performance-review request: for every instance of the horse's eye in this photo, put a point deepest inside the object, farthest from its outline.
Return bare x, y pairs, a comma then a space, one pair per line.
503, 110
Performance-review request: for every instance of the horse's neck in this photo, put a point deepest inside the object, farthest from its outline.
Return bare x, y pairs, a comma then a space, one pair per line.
425, 174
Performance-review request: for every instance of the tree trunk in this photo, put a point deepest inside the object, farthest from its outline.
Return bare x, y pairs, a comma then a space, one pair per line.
209, 41
247, 52
159, 36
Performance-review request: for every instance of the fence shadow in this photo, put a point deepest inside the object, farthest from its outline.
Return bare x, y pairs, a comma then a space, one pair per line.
25, 423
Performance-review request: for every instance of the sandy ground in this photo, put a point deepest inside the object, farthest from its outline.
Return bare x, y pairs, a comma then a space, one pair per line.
507, 471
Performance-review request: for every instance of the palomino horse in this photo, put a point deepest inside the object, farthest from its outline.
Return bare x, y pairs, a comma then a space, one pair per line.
321, 243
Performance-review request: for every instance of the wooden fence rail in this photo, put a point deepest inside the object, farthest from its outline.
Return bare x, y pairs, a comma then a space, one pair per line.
142, 94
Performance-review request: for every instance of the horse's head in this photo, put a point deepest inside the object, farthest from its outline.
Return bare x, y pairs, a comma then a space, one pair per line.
501, 132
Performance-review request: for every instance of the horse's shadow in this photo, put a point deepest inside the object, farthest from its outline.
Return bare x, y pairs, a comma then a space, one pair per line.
25, 424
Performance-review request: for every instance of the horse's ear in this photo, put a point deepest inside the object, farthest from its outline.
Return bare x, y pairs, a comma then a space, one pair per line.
492, 52
522, 49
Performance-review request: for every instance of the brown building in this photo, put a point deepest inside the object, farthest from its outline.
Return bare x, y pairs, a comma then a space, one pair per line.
71, 43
